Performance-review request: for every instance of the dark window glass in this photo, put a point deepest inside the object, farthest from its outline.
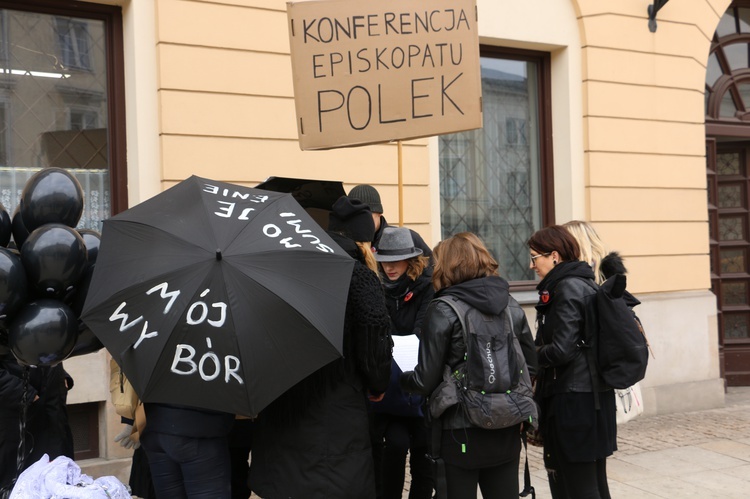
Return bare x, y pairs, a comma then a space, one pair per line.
491, 179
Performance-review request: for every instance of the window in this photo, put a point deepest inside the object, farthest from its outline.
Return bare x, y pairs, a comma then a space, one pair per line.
83, 119
73, 38
497, 181
515, 132
62, 100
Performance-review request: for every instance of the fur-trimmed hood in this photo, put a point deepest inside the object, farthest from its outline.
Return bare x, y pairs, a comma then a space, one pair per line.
612, 264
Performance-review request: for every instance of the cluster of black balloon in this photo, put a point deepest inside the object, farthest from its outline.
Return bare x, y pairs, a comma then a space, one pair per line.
45, 271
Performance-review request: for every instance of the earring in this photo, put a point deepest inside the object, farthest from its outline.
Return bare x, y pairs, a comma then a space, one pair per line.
554, 262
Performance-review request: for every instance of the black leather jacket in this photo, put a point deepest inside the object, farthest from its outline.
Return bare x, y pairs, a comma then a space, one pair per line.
442, 340
566, 315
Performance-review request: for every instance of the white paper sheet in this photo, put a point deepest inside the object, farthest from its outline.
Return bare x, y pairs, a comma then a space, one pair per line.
406, 351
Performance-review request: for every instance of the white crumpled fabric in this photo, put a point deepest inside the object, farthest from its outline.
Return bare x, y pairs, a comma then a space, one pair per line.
61, 478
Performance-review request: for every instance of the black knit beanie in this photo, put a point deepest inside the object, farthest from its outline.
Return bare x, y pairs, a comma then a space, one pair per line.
368, 195
352, 218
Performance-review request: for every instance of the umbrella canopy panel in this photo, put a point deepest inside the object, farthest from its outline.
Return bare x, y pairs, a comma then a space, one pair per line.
218, 296
315, 196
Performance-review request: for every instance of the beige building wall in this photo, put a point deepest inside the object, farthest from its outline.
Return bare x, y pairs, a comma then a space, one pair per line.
226, 108
645, 180
628, 148
209, 92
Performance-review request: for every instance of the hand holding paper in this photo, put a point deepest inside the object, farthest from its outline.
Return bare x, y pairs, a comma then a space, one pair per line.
406, 351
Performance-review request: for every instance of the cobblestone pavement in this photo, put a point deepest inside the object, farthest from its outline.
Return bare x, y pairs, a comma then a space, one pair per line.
703, 454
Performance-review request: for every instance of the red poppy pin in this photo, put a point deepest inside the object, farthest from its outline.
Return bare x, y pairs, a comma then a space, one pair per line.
544, 296
408, 296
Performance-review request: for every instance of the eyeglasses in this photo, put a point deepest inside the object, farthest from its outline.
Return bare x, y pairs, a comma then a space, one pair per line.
533, 258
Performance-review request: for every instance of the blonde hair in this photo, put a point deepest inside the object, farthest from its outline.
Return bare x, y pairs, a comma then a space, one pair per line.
366, 249
416, 266
591, 246
461, 258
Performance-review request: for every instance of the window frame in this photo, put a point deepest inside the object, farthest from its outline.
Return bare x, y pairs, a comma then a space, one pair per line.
544, 105
111, 15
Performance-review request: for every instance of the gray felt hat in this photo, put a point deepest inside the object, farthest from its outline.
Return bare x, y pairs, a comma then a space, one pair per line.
396, 244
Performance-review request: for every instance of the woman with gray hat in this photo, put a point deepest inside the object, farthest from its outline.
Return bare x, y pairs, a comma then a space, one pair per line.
398, 421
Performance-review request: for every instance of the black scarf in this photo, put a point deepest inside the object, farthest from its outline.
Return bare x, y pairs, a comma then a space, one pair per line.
561, 271
397, 289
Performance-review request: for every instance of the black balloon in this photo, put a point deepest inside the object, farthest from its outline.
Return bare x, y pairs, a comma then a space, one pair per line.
20, 232
43, 333
13, 284
86, 342
54, 256
81, 290
92, 239
52, 195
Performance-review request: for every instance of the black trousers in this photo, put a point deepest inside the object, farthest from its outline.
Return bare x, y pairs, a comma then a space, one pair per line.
188, 467
401, 435
497, 482
140, 481
569, 480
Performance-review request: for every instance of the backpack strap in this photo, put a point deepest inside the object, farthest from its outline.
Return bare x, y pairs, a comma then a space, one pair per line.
587, 346
527, 488
454, 304
438, 464
436, 424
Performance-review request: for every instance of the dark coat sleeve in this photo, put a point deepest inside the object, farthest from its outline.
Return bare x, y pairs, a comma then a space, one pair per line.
11, 389
440, 326
523, 333
567, 316
429, 292
372, 342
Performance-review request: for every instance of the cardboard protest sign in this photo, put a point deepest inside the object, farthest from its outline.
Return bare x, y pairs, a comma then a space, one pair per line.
374, 71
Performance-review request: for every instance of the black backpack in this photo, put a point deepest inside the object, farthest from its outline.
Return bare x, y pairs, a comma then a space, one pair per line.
620, 344
493, 385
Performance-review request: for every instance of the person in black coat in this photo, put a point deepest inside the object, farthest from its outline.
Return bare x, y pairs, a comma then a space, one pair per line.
47, 429
473, 456
398, 422
313, 442
578, 428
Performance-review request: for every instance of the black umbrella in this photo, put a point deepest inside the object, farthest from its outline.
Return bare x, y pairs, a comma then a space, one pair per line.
218, 296
315, 196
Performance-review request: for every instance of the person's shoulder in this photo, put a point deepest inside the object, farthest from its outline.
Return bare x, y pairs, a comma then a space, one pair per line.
439, 305
579, 285
513, 304
364, 278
